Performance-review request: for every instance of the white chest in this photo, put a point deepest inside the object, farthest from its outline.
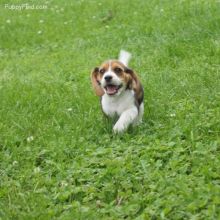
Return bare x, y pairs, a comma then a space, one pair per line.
116, 105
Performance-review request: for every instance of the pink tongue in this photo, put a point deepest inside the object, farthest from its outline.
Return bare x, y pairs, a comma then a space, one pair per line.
111, 89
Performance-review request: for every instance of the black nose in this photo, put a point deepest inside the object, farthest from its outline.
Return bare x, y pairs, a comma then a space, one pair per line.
108, 78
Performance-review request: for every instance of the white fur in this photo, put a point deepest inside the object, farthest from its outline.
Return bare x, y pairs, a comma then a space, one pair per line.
124, 57
124, 107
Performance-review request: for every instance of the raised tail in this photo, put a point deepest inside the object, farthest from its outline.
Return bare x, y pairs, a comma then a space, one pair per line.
124, 57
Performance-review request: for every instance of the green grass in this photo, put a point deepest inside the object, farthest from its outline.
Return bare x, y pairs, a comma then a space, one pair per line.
58, 156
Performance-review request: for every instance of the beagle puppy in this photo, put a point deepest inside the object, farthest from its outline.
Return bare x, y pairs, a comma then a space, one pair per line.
120, 90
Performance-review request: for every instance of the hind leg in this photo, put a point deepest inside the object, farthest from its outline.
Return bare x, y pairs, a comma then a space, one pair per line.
138, 120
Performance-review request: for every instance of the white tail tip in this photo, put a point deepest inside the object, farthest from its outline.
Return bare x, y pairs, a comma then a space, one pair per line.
124, 57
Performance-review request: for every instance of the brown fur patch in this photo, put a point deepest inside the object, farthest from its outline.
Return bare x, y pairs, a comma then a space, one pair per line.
131, 79
136, 86
95, 78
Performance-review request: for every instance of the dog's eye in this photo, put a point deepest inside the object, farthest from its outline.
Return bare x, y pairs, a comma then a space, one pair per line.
102, 71
118, 70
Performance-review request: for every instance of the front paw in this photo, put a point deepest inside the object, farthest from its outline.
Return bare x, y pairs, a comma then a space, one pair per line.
118, 128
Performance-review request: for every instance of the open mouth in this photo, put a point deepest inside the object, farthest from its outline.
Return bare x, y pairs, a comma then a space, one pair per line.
112, 89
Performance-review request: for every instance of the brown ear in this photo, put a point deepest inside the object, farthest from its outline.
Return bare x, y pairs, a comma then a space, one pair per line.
134, 82
95, 83
135, 85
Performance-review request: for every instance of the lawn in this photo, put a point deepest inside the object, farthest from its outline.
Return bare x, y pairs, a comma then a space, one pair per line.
59, 158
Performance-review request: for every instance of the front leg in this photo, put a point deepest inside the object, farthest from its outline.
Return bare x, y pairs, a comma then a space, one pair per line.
126, 118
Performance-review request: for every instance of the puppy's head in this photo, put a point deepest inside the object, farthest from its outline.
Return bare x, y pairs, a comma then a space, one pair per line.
112, 78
